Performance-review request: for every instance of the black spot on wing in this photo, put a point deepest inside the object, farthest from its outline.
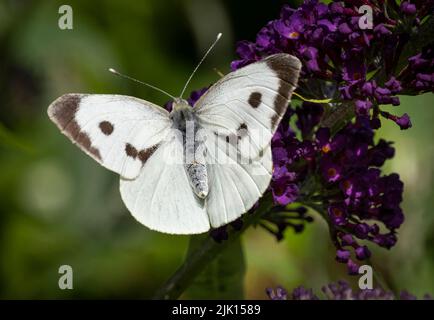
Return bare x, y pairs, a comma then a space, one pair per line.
255, 99
106, 127
146, 153
143, 155
131, 151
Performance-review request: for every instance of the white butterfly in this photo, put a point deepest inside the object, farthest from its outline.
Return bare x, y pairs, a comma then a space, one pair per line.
149, 147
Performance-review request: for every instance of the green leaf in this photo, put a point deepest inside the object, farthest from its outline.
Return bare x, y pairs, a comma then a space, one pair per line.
338, 116
223, 278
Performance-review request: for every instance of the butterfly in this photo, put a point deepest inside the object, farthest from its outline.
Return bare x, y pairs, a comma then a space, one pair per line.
194, 168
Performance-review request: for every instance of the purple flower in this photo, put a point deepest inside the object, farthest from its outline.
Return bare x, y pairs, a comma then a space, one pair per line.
385, 240
352, 267
345, 28
246, 51
393, 85
278, 294
381, 152
280, 156
408, 8
403, 121
323, 140
333, 48
195, 95
343, 255
418, 61
283, 187
327, 24
357, 196
310, 55
337, 214
342, 290
419, 75
405, 295
331, 171
265, 39
336, 165
285, 30
301, 293
361, 231
381, 30
362, 253
363, 106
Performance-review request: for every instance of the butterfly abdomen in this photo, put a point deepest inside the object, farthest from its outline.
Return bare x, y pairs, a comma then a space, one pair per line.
194, 158
198, 177
195, 164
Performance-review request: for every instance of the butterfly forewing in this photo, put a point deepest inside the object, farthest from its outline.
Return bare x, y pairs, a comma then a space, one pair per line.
250, 102
120, 132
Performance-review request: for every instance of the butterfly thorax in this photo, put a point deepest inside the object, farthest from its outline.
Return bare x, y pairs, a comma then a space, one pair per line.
184, 120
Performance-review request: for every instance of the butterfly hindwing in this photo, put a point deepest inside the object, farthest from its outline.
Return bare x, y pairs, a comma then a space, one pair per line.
235, 186
161, 197
120, 132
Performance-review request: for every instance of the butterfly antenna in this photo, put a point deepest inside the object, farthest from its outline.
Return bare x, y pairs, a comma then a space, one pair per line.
141, 82
200, 62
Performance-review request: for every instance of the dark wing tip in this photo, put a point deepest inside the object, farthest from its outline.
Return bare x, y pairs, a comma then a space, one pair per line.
283, 61
63, 109
287, 67
62, 112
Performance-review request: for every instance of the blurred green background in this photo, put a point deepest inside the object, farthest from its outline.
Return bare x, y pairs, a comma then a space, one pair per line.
57, 206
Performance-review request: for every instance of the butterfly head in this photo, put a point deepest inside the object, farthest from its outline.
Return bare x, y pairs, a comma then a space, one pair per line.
179, 104
181, 113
